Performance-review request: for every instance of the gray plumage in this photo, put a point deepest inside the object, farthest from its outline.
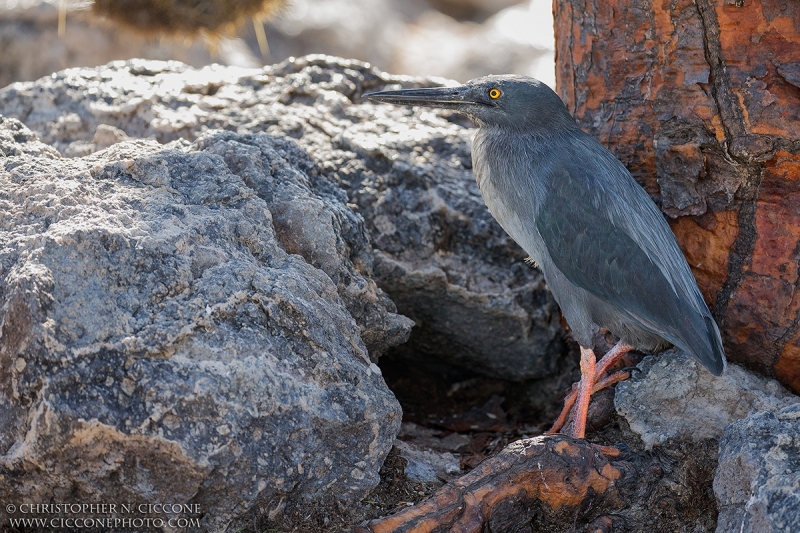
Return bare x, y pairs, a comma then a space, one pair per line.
606, 251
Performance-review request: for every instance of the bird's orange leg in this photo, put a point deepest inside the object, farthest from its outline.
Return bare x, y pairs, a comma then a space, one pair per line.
610, 359
569, 401
596, 380
611, 379
588, 363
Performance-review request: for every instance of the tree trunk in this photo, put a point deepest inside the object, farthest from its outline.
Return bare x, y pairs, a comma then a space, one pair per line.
701, 101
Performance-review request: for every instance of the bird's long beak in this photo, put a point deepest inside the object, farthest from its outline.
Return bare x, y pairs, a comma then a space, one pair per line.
447, 97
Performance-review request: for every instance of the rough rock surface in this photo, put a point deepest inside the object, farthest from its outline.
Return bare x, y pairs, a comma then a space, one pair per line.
312, 219
757, 483
672, 396
428, 466
698, 99
160, 341
438, 253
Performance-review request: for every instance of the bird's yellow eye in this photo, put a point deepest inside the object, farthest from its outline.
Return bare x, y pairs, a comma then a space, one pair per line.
494, 93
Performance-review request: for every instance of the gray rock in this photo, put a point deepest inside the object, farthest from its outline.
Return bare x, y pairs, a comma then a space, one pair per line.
423, 437
17, 140
311, 219
437, 251
673, 396
161, 341
757, 483
428, 466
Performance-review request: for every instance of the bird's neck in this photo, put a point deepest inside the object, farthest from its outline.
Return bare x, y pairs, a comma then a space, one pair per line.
505, 158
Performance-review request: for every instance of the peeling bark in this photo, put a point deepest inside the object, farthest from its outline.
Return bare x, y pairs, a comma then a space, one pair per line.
554, 474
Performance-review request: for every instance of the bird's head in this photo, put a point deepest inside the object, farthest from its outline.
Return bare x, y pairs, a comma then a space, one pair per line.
512, 102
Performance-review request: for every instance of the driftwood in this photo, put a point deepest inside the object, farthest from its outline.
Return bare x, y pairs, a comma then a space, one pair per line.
552, 474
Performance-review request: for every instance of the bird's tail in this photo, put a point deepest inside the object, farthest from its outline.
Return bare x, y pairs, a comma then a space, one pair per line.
704, 343
717, 363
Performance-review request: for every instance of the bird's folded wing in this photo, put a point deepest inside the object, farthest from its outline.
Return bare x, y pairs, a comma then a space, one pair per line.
626, 205
598, 254
601, 258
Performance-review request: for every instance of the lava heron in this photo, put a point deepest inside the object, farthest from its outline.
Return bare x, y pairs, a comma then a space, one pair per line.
604, 248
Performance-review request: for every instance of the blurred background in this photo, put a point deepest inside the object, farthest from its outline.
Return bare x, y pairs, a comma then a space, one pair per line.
456, 39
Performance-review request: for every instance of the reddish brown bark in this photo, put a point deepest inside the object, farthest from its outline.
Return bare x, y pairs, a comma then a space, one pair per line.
552, 474
699, 98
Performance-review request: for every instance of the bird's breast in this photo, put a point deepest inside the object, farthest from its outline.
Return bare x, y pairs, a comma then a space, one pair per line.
513, 211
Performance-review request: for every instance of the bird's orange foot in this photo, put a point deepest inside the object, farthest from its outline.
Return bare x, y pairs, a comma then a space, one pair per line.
594, 377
